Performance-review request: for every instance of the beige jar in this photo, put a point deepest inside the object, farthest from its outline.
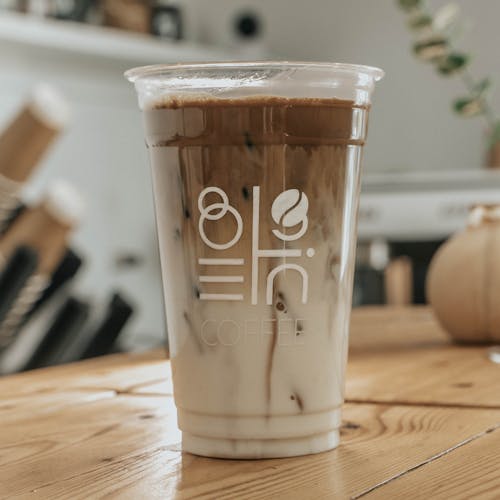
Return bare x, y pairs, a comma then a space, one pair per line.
463, 283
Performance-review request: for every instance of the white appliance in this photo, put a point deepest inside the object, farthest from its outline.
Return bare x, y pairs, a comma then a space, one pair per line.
422, 206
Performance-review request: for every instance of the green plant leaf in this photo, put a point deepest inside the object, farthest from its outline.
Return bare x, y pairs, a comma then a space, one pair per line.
446, 18
468, 106
431, 49
452, 63
481, 87
409, 5
419, 21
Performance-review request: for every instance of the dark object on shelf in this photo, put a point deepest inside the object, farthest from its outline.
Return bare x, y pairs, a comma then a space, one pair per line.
166, 22
247, 25
420, 253
14, 282
20, 6
71, 10
66, 325
12, 218
368, 286
130, 15
102, 340
16, 273
128, 260
66, 271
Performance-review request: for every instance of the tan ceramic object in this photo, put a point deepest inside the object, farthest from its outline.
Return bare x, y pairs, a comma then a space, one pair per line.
463, 283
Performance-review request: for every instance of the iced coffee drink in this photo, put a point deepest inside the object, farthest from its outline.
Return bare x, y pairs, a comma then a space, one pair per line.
256, 199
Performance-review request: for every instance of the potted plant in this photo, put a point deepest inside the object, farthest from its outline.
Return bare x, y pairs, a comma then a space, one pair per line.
434, 42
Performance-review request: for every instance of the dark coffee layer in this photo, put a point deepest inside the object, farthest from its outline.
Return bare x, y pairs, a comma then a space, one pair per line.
254, 121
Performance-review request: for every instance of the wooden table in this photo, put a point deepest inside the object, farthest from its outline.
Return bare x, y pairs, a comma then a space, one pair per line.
422, 420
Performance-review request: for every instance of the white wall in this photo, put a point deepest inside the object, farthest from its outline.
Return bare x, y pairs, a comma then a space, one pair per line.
412, 126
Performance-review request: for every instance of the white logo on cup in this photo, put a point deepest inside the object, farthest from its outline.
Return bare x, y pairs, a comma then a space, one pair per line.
217, 211
289, 209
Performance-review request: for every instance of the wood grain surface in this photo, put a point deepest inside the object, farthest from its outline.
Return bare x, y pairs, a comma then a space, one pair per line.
463, 473
119, 372
107, 428
425, 366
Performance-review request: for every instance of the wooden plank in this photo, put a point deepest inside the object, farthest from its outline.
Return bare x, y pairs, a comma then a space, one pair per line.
469, 471
401, 355
83, 444
99, 428
128, 447
15, 408
375, 328
120, 372
161, 388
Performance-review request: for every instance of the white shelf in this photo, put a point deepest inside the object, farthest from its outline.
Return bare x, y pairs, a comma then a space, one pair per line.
425, 180
423, 205
101, 42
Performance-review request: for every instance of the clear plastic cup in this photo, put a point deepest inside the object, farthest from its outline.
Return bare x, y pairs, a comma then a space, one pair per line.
256, 184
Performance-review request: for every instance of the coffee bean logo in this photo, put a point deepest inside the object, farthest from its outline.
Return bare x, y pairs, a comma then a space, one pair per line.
289, 209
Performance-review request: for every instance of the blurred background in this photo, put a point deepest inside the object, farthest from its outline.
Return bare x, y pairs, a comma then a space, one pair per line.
68, 113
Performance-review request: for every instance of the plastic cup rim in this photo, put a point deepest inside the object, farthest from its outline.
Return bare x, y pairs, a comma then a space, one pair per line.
145, 72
